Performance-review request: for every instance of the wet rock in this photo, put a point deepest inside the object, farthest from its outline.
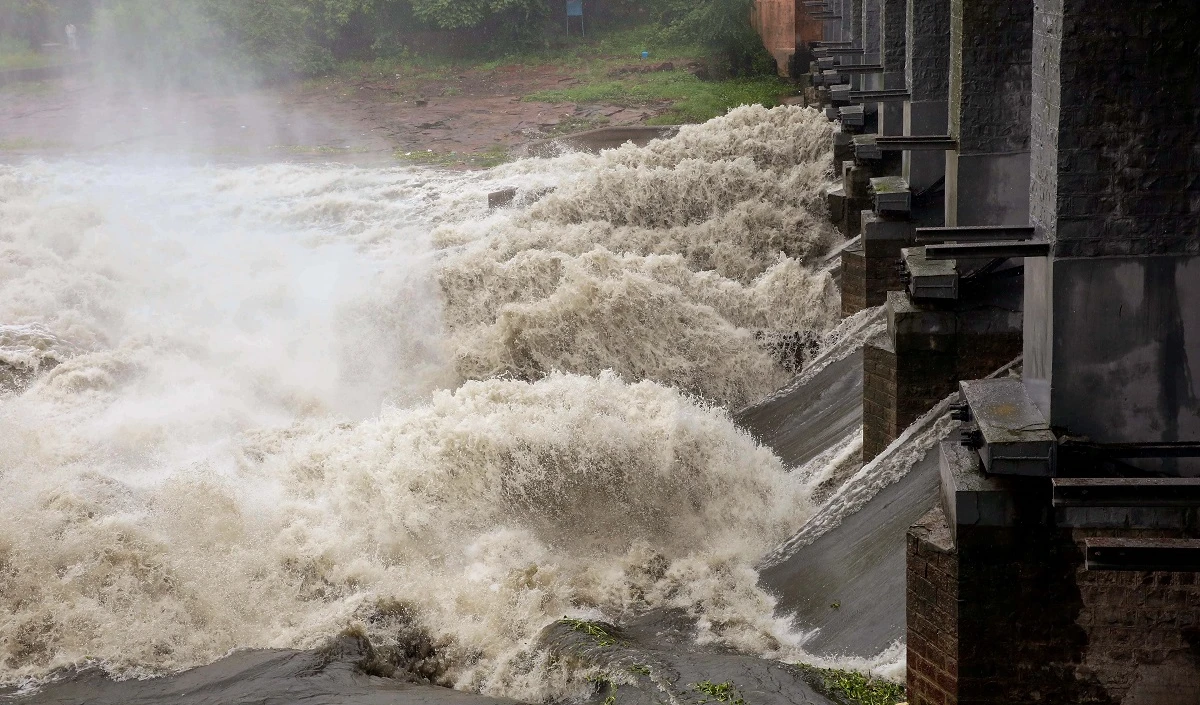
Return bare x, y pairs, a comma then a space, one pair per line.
502, 198
333, 675
653, 660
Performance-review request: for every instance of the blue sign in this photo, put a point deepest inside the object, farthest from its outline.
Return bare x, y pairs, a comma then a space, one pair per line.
574, 8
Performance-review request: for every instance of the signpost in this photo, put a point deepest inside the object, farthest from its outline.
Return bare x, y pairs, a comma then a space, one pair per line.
575, 9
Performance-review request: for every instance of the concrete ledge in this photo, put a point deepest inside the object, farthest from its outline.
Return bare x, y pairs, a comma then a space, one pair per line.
1016, 437
969, 497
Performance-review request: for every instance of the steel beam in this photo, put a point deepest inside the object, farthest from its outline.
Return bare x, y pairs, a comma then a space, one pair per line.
1003, 249
897, 95
861, 68
1166, 555
899, 143
974, 233
1126, 492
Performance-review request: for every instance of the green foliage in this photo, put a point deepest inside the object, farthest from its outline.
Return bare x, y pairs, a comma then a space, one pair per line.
692, 100
852, 687
487, 159
719, 692
721, 26
596, 630
462, 14
199, 41
27, 21
640, 669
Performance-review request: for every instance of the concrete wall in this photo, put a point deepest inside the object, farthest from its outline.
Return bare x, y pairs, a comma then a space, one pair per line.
989, 107
927, 77
1115, 192
776, 23
893, 29
872, 43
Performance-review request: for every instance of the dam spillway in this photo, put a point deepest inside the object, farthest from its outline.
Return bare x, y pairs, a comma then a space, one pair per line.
997, 165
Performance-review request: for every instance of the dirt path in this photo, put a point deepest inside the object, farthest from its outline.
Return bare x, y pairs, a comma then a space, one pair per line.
479, 114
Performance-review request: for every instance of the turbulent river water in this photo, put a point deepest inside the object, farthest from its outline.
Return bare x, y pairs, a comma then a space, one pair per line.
255, 407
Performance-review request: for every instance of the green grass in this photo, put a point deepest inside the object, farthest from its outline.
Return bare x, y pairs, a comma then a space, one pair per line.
18, 55
18, 144
691, 100
493, 156
852, 687
719, 692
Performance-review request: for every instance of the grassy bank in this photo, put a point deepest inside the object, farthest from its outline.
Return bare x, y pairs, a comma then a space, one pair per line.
683, 97
607, 69
17, 55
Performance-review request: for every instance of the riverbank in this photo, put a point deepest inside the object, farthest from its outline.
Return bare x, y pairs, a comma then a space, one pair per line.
463, 113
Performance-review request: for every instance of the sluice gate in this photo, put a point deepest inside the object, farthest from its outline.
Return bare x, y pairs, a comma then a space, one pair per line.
1021, 179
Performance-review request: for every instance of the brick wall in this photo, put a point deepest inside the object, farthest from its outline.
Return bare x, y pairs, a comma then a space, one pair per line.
883, 258
1009, 616
854, 295
905, 378
932, 612
1124, 114
990, 77
879, 397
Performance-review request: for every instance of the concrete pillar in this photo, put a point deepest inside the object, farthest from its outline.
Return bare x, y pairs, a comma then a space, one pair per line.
856, 22
928, 349
872, 12
989, 105
893, 29
927, 68
1116, 192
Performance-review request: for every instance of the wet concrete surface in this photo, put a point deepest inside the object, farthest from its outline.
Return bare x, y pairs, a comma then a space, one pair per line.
330, 676
658, 659
808, 420
858, 566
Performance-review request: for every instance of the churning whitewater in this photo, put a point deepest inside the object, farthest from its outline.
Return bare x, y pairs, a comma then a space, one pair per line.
254, 407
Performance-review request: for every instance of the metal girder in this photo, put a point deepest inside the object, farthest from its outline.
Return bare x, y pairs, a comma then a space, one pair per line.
886, 96
861, 68
994, 250
1166, 555
939, 143
1135, 450
974, 233
1126, 492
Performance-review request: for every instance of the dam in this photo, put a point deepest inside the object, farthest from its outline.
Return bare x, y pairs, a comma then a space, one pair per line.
1006, 201
891, 380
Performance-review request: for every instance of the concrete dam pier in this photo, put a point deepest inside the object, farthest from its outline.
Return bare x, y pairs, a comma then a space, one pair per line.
1020, 181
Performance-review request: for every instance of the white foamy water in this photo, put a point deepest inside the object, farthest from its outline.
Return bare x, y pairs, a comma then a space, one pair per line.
251, 407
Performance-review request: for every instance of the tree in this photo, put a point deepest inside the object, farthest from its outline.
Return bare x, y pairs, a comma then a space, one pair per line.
30, 21
464, 14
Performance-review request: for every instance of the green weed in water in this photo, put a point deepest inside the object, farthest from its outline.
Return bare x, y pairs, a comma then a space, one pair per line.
852, 687
592, 629
719, 692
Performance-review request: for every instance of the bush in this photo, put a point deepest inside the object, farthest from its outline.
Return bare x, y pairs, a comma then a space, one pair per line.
201, 40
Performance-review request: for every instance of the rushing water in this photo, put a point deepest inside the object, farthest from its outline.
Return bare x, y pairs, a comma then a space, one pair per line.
253, 407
